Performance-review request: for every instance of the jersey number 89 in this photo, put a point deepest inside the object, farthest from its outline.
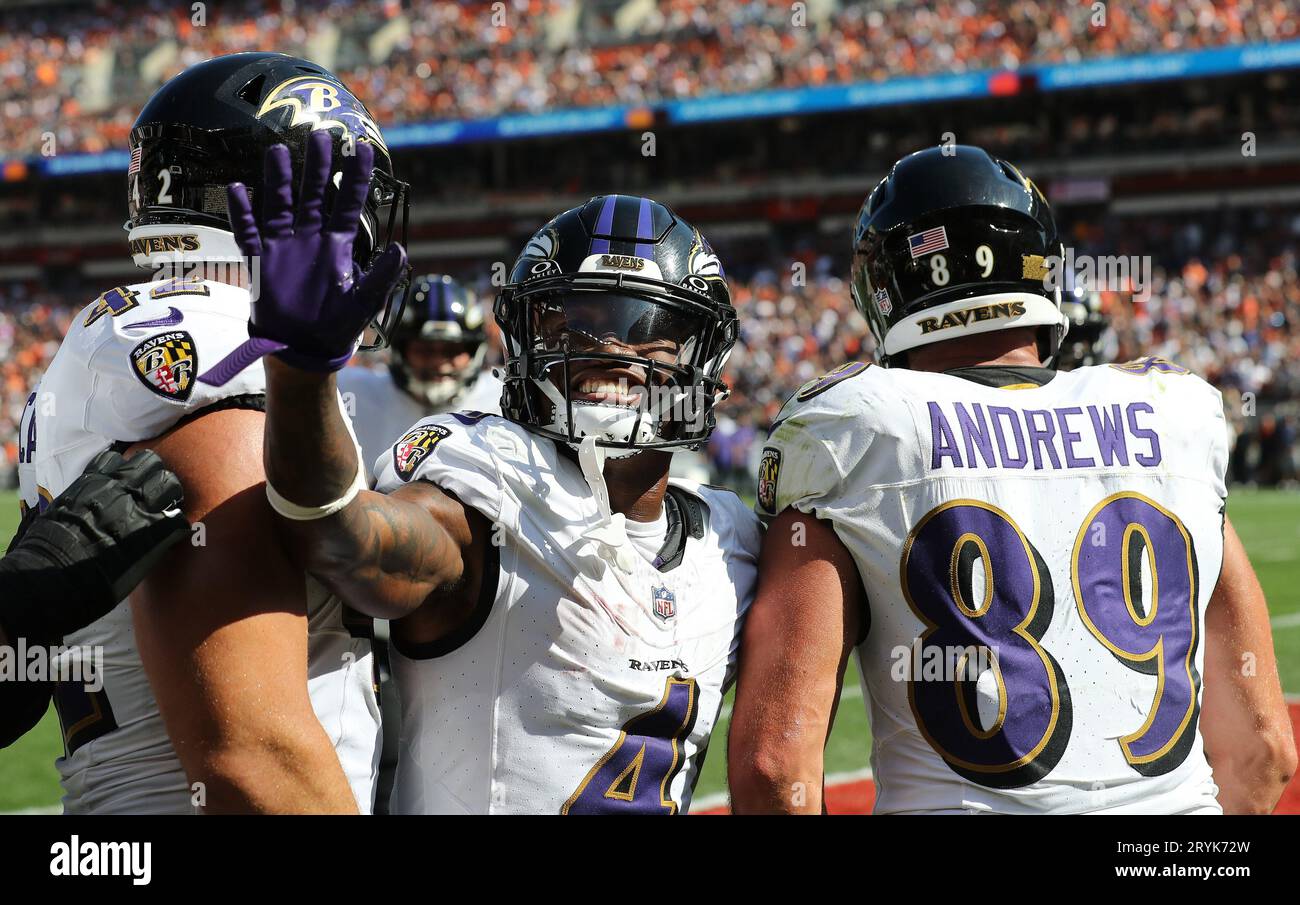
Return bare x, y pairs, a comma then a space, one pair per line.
979, 586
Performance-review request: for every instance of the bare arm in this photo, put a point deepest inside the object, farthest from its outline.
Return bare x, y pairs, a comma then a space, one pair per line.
385, 554
222, 632
797, 639
1244, 719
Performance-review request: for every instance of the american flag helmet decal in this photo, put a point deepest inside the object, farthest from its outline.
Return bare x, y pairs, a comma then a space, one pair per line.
928, 242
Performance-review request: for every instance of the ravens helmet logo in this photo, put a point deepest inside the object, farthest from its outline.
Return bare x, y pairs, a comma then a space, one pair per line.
324, 104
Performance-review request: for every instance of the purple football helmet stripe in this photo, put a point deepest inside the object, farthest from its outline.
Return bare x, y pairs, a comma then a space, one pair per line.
439, 310
645, 230
604, 224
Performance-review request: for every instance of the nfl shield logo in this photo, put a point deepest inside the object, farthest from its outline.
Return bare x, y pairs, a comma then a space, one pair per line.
665, 603
882, 301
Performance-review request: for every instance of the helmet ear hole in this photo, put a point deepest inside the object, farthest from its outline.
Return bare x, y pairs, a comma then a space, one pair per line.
252, 92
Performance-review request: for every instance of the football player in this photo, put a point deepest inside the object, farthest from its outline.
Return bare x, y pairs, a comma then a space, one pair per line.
437, 351
72, 563
1049, 608
568, 614
230, 682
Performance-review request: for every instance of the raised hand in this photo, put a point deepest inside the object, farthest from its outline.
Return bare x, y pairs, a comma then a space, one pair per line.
314, 301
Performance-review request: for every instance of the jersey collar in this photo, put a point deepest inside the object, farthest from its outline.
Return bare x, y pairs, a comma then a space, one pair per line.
998, 376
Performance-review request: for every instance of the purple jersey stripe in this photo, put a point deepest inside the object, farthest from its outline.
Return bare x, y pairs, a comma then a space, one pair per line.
247, 352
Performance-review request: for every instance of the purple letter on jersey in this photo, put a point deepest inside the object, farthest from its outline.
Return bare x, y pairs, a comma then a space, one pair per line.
1046, 435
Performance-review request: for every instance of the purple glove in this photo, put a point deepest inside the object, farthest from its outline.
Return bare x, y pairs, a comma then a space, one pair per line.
315, 302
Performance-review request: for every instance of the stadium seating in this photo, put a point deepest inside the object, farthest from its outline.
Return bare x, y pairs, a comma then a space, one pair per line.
83, 78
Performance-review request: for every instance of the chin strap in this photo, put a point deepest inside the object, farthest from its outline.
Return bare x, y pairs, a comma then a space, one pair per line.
609, 534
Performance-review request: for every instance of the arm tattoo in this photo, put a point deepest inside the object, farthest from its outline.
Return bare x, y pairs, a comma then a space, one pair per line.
382, 554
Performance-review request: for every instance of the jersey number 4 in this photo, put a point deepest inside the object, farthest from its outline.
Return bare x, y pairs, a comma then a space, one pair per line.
1001, 616
636, 775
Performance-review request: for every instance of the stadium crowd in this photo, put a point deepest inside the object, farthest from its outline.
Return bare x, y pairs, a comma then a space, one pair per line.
32, 324
81, 76
1225, 303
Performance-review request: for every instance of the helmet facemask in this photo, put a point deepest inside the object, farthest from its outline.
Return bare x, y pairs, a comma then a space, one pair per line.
633, 363
1086, 344
389, 199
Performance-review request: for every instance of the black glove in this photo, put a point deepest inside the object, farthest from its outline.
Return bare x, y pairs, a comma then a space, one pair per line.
83, 555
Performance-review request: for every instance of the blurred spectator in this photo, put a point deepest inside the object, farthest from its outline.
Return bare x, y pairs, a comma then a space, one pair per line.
32, 324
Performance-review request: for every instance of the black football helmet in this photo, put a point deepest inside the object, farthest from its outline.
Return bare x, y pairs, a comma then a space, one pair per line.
617, 322
439, 309
952, 243
1086, 342
210, 126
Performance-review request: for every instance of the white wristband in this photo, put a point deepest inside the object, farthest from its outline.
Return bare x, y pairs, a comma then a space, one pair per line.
298, 513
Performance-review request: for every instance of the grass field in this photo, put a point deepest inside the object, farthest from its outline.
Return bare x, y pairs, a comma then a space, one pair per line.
1268, 522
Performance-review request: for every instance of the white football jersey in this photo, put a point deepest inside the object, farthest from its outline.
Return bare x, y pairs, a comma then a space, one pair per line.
577, 687
127, 372
1037, 561
381, 410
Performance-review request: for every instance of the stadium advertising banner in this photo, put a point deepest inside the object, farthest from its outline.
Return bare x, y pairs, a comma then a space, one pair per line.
828, 98
1190, 64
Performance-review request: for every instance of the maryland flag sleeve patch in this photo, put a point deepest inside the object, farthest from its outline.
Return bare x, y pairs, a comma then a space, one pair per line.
414, 448
769, 470
167, 364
